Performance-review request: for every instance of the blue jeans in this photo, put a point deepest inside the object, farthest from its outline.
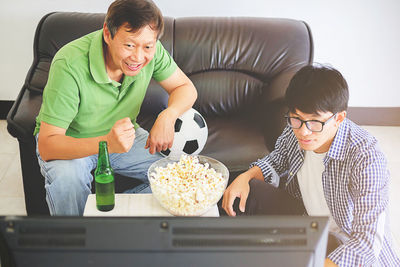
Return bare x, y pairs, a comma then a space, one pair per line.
68, 182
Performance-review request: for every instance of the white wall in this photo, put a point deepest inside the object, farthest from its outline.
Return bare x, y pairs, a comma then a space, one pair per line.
359, 37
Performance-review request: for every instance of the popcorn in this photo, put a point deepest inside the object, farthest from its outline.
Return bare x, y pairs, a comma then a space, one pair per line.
187, 187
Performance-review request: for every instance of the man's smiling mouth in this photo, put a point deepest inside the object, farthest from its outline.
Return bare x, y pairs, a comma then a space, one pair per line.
133, 67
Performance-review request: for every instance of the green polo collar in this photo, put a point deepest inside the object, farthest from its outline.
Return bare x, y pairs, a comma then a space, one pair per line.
96, 59
97, 64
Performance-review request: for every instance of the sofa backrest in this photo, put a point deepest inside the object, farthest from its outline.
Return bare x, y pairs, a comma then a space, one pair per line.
232, 61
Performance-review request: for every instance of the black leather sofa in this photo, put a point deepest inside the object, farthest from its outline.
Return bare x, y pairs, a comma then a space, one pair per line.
240, 67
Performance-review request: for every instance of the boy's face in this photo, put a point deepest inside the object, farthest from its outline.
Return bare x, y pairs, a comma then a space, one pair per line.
128, 52
318, 142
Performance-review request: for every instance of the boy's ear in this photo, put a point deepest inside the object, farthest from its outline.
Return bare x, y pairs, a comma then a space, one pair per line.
340, 116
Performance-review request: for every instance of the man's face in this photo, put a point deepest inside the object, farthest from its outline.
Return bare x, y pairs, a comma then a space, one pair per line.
318, 142
128, 52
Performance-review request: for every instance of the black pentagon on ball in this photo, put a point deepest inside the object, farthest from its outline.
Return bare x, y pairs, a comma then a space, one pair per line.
190, 146
166, 152
199, 120
178, 125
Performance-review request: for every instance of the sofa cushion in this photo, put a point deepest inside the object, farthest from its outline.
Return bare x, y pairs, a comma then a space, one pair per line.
236, 142
225, 92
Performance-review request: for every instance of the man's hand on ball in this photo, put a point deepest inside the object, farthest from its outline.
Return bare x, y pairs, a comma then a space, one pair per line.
161, 135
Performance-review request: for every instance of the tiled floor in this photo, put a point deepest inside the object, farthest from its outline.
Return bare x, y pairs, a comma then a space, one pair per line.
11, 190
12, 194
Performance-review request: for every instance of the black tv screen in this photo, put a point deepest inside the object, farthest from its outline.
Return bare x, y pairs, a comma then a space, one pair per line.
163, 241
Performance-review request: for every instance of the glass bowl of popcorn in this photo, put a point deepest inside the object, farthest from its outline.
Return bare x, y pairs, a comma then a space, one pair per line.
189, 186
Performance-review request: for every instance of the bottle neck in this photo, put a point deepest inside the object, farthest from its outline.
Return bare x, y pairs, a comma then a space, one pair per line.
103, 159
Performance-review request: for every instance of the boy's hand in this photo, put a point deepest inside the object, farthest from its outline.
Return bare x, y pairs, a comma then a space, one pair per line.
238, 188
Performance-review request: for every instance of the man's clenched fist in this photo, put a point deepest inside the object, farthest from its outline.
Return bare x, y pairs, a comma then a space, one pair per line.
121, 136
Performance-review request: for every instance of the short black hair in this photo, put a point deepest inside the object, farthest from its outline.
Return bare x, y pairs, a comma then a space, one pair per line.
136, 13
317, 88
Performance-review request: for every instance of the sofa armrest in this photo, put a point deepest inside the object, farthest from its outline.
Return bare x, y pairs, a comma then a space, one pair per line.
22, 115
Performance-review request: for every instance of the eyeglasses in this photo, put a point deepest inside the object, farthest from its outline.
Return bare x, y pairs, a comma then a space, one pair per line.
312, 125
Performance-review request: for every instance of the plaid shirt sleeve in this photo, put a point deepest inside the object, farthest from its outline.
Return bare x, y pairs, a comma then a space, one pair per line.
275, 164
369, 190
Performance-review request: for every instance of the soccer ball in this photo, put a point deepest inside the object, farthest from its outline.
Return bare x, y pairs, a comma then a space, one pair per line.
191, 134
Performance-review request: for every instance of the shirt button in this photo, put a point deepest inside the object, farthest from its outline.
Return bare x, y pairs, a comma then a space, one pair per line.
291, 173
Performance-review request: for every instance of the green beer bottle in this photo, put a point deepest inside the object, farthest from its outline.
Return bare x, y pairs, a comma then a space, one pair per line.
104, 180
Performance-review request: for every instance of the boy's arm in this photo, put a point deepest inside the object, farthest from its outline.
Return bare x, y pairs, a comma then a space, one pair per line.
240, 188
263, 169
276, 163
369, 188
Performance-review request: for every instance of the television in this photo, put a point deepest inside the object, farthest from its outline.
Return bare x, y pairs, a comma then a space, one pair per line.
163, 241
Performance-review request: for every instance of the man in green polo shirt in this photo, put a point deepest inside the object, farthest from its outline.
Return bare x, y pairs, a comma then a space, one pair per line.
95, 88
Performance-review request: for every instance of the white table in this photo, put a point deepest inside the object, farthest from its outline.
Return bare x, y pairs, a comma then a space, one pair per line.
135, 205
